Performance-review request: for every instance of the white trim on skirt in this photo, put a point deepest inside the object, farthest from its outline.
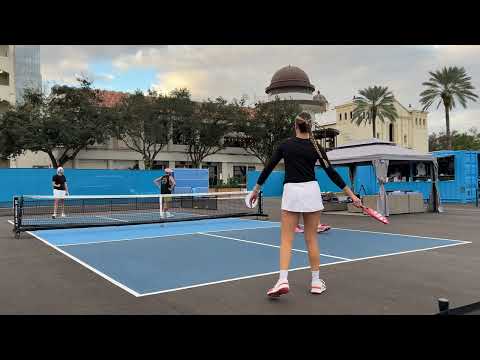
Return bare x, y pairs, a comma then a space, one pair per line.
302, 197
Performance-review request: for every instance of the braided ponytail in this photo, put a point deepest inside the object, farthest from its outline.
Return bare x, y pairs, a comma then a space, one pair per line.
305, 118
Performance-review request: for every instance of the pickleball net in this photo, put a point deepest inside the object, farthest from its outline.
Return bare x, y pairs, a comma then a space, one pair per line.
35, 212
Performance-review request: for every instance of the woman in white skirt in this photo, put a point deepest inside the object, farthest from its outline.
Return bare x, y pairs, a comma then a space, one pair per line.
60, 190
301, 195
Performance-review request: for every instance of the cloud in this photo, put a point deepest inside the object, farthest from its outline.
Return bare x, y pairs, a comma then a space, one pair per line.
460, 120
234, 70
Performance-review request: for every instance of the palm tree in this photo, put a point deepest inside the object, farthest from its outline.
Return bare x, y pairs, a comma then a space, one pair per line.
376, 101
446, 86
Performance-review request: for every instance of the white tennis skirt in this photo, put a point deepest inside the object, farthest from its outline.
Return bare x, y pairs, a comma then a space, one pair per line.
302, 197
59, 194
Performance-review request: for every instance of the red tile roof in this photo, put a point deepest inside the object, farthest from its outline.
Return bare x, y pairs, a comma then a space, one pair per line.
111, 98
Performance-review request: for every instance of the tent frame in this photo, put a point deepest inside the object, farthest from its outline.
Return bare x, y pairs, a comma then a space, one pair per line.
379, 154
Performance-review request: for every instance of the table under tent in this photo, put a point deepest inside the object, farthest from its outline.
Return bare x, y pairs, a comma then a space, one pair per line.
382, 156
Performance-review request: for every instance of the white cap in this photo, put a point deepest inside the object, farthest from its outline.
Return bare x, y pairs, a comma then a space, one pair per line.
60, 170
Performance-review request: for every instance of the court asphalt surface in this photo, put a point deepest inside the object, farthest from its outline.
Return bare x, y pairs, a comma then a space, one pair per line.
38, 279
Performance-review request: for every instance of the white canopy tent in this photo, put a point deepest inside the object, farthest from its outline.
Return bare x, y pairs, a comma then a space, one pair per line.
379, 154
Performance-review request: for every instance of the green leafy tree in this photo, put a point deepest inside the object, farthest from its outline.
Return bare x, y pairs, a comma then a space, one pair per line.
468, 140
11, 135
374, 102
448, 86
60, 124
202, 131
144, 122
267, 126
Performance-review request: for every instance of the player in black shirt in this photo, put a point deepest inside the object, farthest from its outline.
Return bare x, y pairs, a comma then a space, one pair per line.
166, 184
301, 195
60, 190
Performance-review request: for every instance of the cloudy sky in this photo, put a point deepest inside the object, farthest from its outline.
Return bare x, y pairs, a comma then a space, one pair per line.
232, 71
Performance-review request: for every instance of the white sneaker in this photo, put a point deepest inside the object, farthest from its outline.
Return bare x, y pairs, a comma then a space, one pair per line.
280, 288
318, 287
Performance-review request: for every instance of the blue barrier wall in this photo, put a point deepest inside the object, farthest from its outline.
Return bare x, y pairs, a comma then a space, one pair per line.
191, 180
460, 190
366, 183
94, 182
274, 184
463, 188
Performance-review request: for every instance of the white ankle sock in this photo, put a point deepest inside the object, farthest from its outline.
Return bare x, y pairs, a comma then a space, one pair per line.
315, 276
283, 275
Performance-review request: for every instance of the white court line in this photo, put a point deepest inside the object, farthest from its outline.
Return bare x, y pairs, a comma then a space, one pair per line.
219, 282
415, 236
295, 269
106, 277
239, 278
160, 236
405, 252
385, 233
263, 244
110, 218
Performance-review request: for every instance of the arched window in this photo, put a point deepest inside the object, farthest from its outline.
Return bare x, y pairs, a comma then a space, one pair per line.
4, 78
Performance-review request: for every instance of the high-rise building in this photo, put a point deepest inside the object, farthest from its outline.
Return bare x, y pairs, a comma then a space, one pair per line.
27, 69
19, 69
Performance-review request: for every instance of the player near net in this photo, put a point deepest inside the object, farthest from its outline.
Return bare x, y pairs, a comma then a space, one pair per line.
166, 184
60, 190
301, 195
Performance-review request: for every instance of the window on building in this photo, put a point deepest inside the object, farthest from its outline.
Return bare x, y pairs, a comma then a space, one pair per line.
446, 168
416, 121
159, 165
236, 141
240, 174
398, 171
252, 168
4, 50
421, 171
423, 122
4, 78
183, 165
340, 116
351, 115
390, 133
345, 116
405, 139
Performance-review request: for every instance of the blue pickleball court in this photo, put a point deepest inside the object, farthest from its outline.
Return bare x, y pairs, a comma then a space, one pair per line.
158, 258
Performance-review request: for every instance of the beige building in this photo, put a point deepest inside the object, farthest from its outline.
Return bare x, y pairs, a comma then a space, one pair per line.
410, 130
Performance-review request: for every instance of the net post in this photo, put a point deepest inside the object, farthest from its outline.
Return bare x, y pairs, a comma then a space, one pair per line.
17, 215
260, 203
